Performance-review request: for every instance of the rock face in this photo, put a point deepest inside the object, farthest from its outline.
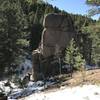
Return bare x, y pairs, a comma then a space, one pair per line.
57, 33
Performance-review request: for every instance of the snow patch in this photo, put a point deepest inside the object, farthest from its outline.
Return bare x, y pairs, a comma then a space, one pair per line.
33, 92
86, 92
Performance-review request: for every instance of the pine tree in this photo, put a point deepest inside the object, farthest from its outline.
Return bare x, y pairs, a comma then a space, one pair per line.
94, 33
96, 7
12, 35
73, 57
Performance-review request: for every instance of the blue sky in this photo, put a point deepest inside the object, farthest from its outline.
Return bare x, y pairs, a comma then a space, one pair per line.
73, 6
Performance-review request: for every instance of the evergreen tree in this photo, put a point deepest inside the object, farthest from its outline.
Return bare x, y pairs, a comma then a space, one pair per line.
12, 35
73, 57
96, 7
94, 31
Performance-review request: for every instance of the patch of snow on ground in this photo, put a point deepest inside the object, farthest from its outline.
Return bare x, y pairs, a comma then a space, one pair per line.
32, 92
14, 92
85, 92
5, 89
31, 87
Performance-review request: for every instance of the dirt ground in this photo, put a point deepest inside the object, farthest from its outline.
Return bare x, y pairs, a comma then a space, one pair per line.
78, 79
83, 77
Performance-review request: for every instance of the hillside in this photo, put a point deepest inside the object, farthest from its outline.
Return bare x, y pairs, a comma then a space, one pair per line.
72, 89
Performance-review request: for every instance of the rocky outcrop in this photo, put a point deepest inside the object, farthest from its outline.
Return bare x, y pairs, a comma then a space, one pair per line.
57, 33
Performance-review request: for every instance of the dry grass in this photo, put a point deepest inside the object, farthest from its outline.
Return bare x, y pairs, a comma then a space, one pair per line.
78, 78
88, 77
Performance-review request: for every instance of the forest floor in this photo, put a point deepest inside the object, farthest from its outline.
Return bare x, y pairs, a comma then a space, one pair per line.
82, 86
77, 79
84, 77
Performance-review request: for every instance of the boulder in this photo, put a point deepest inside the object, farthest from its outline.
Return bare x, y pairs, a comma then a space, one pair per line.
57, 33
59, 21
